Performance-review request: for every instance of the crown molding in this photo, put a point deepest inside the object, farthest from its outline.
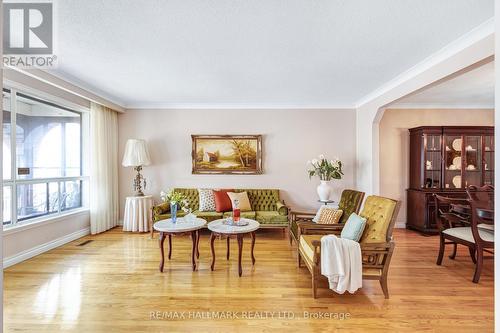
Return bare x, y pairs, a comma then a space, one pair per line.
440, 106
477, 34
236, 106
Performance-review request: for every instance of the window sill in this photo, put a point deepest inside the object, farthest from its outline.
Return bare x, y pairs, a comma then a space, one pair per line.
43, 221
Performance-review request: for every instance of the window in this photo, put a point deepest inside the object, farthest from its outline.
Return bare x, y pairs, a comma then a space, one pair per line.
42, 165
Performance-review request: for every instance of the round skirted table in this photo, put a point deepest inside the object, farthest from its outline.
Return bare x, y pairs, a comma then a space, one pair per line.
183, 225
137, 216
221, 228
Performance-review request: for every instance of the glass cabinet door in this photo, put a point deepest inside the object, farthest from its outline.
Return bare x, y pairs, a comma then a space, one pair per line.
489, 160
432, 168
453, 161
473, 160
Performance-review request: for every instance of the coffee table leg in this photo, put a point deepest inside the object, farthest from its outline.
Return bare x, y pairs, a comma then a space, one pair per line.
193, 250
197, 244
240, 248
169, 246
160, 242
227, 241
253, 245
212, 239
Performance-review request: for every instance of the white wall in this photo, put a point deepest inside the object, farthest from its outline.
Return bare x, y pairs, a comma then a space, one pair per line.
472, 48
290, 138
395, 143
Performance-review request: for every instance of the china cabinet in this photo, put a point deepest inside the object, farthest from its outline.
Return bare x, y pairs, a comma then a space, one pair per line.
445, 160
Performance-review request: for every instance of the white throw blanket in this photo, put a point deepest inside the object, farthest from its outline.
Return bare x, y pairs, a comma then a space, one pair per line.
341, 263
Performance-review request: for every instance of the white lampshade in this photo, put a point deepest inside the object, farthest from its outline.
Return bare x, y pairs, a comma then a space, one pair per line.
136, 153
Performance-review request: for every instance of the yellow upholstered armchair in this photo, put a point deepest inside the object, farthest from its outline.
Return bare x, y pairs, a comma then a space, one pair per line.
298, 222
376, 243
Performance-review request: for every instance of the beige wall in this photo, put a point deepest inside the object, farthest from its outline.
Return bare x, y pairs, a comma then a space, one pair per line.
394, 143
290, 138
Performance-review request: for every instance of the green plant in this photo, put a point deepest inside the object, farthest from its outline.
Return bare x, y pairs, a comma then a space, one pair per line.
175, 198
325, 169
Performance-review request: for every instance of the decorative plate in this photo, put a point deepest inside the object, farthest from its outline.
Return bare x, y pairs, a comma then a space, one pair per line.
457, 144
457, 162
457, 181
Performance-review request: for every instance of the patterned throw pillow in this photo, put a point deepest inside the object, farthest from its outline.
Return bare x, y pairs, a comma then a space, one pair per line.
207, 200
318, 213
330, 216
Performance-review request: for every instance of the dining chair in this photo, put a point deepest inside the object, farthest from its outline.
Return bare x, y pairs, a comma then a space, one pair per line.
482, 223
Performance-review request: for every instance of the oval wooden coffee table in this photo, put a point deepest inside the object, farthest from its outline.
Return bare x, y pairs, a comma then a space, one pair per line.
218, 228
182, 226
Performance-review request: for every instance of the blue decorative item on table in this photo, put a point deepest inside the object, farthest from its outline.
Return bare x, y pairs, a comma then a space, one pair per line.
173, 211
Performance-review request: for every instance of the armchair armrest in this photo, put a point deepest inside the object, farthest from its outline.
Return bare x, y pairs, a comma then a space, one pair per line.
282, 208
162, 208
319, 229
317, 254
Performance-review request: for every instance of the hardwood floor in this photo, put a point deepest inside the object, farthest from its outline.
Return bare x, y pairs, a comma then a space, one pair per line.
112, 284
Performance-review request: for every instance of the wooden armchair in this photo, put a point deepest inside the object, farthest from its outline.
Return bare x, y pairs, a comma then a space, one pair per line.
376, 243
301, 222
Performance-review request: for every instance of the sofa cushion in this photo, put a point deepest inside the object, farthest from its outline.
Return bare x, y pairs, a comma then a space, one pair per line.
245, 215
242, 199
271, 217
207, 200
168, 215
262, 199
222, 201
208, 216
378, 212
191, 195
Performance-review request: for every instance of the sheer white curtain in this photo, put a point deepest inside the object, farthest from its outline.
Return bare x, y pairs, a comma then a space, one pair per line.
103, 168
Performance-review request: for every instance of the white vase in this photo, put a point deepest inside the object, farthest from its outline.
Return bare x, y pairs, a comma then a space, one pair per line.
324, 190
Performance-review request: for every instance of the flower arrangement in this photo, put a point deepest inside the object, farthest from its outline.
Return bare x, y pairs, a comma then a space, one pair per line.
325, 169
175, 198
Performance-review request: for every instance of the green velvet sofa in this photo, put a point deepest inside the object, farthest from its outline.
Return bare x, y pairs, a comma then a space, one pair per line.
267, 207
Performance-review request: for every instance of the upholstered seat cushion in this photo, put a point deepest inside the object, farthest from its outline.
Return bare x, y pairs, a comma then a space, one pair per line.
465, 233
305, 243
208, 216
378, 213
271, 217
246, 215
168, 215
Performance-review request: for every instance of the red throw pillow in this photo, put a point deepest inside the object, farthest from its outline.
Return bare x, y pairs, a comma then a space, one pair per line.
222, 201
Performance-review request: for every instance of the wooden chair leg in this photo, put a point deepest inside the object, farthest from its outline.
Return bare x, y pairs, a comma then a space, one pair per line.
385, 288
479, 264
472, 252
454, 253
441, 250
298, 259
313, 284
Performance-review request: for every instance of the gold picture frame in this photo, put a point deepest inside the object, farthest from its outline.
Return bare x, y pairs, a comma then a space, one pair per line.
227, 154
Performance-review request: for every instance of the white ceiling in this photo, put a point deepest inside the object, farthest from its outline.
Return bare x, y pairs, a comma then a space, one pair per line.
473, 89
259, 53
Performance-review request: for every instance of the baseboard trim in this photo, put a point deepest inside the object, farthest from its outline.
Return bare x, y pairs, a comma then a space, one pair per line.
30, 253
400, 225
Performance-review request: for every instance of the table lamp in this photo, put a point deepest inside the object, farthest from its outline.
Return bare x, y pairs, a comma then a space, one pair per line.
137, 155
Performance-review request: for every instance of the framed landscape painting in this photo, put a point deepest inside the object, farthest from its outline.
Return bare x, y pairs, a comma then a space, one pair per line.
227, 154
